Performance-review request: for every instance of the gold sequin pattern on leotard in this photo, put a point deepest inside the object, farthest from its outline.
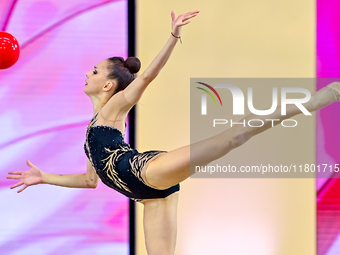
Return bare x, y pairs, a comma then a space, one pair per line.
110, 166
138, 162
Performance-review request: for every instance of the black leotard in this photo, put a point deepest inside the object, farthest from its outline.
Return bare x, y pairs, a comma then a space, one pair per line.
118, 165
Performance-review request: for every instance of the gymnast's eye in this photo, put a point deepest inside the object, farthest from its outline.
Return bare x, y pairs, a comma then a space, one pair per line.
95, 72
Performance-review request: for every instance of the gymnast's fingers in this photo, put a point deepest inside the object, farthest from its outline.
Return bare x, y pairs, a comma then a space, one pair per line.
22, 188
186, 17
15, 172
173, 15
29, 163
187, 22
189, 13
17, 185
14, 177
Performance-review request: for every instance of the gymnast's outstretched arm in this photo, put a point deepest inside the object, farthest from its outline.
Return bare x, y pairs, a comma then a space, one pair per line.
36, 176
135, 90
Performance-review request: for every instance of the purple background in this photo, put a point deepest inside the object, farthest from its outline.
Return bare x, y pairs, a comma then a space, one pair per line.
43, 114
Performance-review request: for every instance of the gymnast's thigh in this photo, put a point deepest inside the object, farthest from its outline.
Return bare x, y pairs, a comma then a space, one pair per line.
167, 169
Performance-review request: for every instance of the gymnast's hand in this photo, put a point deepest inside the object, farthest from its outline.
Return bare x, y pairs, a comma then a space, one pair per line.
28, 178
180, 21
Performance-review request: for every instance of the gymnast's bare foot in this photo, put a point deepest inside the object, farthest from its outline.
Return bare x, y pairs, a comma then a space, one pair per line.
336, 90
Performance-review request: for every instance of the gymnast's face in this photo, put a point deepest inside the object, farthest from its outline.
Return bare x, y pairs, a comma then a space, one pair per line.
97, 82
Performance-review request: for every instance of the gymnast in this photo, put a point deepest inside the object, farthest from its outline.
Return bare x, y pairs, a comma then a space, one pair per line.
152, 177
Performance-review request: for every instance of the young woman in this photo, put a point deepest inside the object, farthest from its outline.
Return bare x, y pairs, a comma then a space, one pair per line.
151, 177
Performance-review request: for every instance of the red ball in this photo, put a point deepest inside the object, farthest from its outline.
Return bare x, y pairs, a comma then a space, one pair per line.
9, 50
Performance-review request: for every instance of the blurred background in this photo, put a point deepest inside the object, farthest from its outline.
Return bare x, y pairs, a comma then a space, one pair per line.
44, 114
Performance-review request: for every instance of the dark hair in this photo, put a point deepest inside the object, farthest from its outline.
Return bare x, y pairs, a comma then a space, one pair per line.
123, 71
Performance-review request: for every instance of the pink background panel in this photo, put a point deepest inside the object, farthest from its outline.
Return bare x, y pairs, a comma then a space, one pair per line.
43, 114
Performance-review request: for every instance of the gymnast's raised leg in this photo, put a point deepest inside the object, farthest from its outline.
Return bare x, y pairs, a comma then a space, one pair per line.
168, 169
171, 168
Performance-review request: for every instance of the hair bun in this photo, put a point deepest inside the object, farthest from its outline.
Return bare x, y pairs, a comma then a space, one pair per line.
133, 64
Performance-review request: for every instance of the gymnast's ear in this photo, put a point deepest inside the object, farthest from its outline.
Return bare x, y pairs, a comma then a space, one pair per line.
110, 86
